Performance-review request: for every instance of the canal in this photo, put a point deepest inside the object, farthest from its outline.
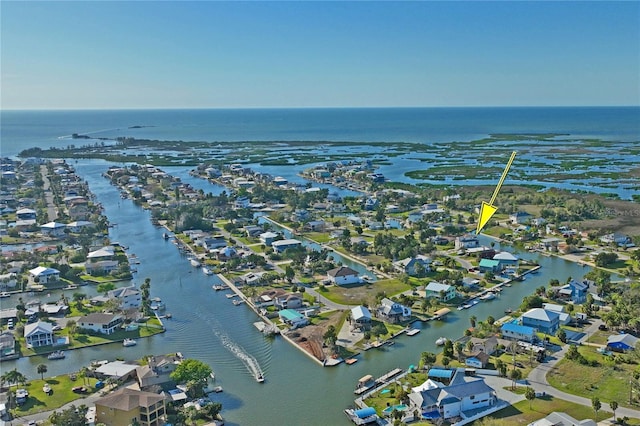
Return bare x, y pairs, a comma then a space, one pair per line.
207, 326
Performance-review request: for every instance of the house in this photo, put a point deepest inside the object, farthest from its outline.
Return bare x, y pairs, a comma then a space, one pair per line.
226, 253
442, 292
38, 334
616, 238
488, 345
447, 402
343, 275
268, 238
466, 241
129, 297
242, 202
410, 266
392, 311
477, 360
575, 291
126, 406
622, 342
361, 317
78, 209
514, 331
157, 370
292, 317
101, 266
371, 203
7, 346
106, 252
253, 231
53, 229
79, 225
100, 323
42, 275
564, 318
550, 244
561, 419
212, 243
26, 214
9, 280
316, 225
289, 301
506, 260
489, 265
544, 321
520, 218
282, 245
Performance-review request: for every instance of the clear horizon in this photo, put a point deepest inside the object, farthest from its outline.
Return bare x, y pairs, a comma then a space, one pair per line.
265, 55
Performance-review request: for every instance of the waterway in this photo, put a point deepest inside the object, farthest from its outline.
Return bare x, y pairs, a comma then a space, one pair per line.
207, 326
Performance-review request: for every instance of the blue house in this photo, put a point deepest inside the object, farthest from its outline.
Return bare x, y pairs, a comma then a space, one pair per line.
544, 321
489, 265
518, 332
622, 342
575, 291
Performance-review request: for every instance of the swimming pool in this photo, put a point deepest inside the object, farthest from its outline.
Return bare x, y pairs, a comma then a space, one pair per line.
399, 407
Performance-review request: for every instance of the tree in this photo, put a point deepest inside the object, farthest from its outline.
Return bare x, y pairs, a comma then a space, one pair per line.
459, 347
192, 372
445, 361
596, 405
427, 359
331, 335
41, 369
145, 293
515, 375
530, 394
211, 410
289, 273
614, 407
72, 328
472, 321
72, 416
104, 288
604, 259
448, 349
12, 377
562, 335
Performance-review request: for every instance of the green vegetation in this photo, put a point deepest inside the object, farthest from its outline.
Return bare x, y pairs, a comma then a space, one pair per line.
61, 393
356, 294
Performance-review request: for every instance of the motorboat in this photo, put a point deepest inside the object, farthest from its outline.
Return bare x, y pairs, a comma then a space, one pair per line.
195, 262
441, 341
207, 271
217, 389
56, 355
488, 296
46, 388
129, 342
260, 378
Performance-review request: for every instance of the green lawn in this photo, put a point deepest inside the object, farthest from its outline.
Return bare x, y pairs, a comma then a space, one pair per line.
356, 294
61, 394
607, 381
521, 414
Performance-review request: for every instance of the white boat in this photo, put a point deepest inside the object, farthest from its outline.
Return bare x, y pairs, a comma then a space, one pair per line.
195, 263
56, 355
230, 295
207, 271
260, 378
4, 294
238, 302
129, 342
217, 389
441, 341
488, 296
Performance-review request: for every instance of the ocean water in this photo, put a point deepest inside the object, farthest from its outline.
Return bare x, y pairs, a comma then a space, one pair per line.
44, 129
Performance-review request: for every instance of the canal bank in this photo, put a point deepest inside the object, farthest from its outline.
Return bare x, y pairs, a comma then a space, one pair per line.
207, 327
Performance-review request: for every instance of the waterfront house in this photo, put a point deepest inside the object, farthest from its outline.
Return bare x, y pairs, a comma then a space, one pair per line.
100, 323
289, 301
101, 266
477, 360
575, 291
515, 331
393, 312
410, 266
281, 245
550, 244
268, 238
622, 342
565, 318
489, 265
78, 225
106, 252
520, 218
8, 314
360, 317
128, 297
506, 260
253, 231
460, 399
225, 253
214, 242
125, 405
442, 292
38, 334
78, 209
488, 345
343, 275
544, 321
53, 229
315, 226
242, 202
42, 275
9, 280
157, 370
293, 318
616, 239
7, 345
467, 241
371, 203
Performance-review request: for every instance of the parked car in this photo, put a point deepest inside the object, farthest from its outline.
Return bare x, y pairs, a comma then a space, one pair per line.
602, 327
79, 389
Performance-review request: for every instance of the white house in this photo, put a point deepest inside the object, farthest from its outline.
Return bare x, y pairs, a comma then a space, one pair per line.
100, 323
104, 252
129, 297
343, 275
442, 292
282, 245
467, 241
361, 317
53, 229
38, 334
392, 311
42, 275
268, 238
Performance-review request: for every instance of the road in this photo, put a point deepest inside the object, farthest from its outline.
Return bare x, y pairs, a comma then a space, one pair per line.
538, 379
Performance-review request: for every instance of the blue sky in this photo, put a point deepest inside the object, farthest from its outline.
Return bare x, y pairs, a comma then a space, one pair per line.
318, 54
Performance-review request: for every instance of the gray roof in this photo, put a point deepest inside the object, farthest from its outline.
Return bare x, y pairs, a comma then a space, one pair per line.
625, 338
541, 315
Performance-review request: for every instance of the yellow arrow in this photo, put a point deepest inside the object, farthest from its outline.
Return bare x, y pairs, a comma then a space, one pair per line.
487, 210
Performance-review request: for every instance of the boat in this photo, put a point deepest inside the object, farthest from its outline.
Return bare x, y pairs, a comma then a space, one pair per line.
129, 342
508, 311
412, 331
212, 375
231, 295
238, 302
350, 361
217, 389
466, 306
207, 271
4, 294
46, 388
56, 355
441, 341
195, 263
219, 287
508, 285
165, 235
488, 296
260, 378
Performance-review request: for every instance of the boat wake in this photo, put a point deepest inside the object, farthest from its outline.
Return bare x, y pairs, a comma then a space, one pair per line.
252, 364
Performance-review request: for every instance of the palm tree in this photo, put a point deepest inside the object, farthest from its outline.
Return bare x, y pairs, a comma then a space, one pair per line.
12, 377
530, 394
41, 369
596, 405
614, 407
516, 375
